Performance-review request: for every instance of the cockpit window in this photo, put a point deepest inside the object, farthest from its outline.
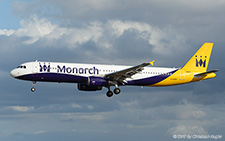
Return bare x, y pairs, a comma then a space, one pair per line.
22, 67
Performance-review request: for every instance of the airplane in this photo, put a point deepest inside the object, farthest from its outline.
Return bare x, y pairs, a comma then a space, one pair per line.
93, 77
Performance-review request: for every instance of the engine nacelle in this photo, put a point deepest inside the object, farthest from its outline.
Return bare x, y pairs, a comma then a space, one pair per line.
85, 87
97, 81
93, 84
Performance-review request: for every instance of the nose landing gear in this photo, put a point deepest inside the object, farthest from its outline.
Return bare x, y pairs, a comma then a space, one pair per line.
33, 88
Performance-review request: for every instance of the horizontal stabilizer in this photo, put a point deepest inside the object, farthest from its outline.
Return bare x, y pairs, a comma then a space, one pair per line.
204, 73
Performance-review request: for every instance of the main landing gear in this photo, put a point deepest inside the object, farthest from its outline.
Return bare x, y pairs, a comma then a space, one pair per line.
33, 88
110, 93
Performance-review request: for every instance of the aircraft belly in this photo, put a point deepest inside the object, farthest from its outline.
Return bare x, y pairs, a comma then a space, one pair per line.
54, 77
179, 77
150, 80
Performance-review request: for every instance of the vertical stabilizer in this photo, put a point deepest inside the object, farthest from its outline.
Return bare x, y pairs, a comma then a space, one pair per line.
200, 60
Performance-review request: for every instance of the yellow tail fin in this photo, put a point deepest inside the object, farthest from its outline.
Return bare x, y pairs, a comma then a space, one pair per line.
200, 60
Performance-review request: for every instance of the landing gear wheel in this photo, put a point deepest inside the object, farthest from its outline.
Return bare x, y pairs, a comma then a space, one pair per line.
116, 90
109, 94
33, 89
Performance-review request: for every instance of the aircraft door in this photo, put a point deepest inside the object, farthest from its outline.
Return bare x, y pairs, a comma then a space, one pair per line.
35, 67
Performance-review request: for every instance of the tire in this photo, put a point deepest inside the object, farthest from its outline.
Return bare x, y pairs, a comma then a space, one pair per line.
33, 89
117, 90
109, 94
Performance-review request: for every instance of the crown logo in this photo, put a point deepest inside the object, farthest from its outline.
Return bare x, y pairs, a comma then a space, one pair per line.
200, 61
44, 68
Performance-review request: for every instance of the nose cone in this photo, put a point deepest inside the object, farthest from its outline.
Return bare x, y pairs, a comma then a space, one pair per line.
13, 73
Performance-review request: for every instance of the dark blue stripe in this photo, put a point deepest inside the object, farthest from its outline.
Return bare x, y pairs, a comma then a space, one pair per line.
150, 80
54, 77
58, 77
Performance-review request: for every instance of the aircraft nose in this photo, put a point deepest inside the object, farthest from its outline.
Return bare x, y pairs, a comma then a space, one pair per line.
13, 73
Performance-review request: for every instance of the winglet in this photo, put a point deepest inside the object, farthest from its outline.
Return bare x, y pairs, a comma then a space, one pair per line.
152, 62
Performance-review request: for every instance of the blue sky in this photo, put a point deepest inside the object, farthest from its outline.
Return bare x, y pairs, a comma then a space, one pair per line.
8, 19
110, 32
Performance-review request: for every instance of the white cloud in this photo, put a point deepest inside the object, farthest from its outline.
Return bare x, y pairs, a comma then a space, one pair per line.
118, 27
7, 32
104, 35
190, 111
34, 28
78, 36
84, 116
187, 130
90, 107
76, 106
164, 41
97, 4
191, 119
40, 132
21, 108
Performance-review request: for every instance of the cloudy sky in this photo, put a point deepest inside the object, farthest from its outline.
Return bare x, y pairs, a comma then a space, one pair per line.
125, 32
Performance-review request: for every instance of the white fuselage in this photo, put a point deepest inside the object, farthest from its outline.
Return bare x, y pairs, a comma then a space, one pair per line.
92, 77
48, 71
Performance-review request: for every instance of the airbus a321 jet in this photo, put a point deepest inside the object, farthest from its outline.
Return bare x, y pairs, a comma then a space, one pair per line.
92, 77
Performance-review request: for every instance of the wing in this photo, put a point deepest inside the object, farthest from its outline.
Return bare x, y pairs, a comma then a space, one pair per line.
121, 76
